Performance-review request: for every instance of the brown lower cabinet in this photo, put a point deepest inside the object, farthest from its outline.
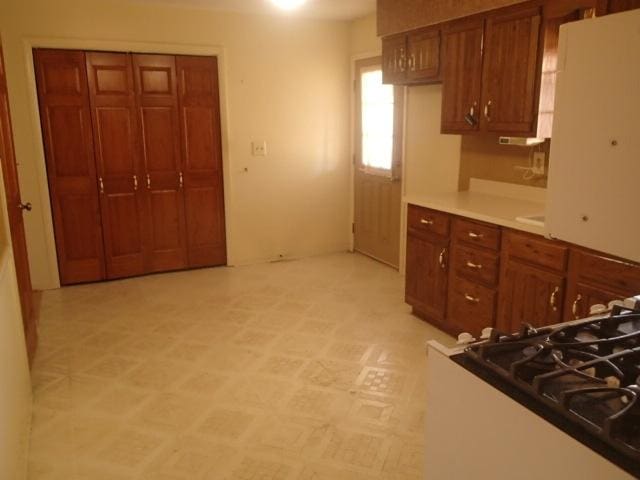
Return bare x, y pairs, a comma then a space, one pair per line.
463, 275
133, 152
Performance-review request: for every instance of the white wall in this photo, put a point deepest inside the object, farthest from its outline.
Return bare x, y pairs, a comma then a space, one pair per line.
15, 387
284, 80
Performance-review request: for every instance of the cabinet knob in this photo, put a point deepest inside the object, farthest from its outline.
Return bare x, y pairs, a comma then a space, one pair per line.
574, 307
441, 258
471, 299
553, 299
25, 206
487, 110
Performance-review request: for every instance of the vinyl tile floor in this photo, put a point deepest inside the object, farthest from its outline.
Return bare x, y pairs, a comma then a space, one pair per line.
303, 370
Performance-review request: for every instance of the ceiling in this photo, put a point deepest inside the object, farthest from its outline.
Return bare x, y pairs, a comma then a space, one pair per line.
323, 9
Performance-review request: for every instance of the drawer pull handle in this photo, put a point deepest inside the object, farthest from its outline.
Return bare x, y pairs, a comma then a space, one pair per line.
474, 266
441, 259
574, 307
476, 236
471, 299
553, 299
135, 183
101, 184
426, 221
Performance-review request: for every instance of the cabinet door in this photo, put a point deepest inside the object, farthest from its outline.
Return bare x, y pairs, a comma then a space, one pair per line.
157, 97
65, 114
426, 276
582, 297
423, 56
616, 6
462, 76
529, 295
199, 103
511, 76
117, 148
394, 60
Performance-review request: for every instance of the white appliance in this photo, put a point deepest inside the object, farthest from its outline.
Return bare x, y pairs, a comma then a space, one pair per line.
475, 431
594, 178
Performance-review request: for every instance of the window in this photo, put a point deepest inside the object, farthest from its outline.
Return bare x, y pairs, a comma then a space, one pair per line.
378, 122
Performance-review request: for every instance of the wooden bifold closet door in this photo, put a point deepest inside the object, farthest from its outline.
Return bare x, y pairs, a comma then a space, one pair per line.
145, 144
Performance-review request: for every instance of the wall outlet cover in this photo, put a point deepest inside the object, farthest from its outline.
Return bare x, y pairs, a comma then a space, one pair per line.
259, 148
539, 163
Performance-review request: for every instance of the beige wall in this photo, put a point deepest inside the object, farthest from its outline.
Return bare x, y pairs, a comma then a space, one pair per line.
15, 388
284, 80
482, 157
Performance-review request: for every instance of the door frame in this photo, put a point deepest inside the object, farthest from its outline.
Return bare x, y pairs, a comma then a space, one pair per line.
31, 43
353, 160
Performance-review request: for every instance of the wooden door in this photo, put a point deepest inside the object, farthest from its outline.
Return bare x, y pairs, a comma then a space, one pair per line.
199, 102
15, 209
462, 76
117, 150
378, 161
65, 114
423, 56
511, 75
157, 97
426, 276
529, 295
394, 60
616, 6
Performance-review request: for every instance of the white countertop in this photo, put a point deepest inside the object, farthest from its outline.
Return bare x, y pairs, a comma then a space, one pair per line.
500, 208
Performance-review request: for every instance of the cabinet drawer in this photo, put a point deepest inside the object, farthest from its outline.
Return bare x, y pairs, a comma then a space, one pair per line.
536, 250
477, 265
472, 307
474, 233
428, 221
608, 273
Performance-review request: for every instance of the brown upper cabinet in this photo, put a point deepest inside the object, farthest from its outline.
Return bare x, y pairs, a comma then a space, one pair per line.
462, 75
412, 58
491, 75
616, 6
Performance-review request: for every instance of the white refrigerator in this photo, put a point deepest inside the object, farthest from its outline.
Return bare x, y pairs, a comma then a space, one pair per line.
594, 178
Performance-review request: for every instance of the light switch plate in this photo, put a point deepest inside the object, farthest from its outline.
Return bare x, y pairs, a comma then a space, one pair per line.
259, 148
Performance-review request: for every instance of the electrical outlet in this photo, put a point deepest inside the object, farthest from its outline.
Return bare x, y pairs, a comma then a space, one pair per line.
538, 166
259, 148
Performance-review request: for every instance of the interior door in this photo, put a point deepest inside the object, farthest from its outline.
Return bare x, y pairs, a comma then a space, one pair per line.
157, 96
511, 77
199, 101
16, 208
378, 160
116, 139
462, 76
65, 115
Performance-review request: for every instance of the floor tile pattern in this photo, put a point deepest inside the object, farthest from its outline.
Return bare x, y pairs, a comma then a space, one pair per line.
302, 370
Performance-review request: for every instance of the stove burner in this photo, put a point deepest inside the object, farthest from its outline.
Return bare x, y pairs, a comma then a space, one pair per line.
589, 371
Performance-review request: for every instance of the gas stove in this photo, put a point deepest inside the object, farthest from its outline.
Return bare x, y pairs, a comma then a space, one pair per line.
583, 376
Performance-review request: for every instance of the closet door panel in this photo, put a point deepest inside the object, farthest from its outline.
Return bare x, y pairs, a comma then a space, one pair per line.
116, 137
69, 150
201, 143
158, 113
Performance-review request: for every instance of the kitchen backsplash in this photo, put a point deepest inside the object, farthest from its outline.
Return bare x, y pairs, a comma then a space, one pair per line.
482, 157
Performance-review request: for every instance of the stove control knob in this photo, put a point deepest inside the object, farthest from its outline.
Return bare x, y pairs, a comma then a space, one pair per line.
465, 338
486, 333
